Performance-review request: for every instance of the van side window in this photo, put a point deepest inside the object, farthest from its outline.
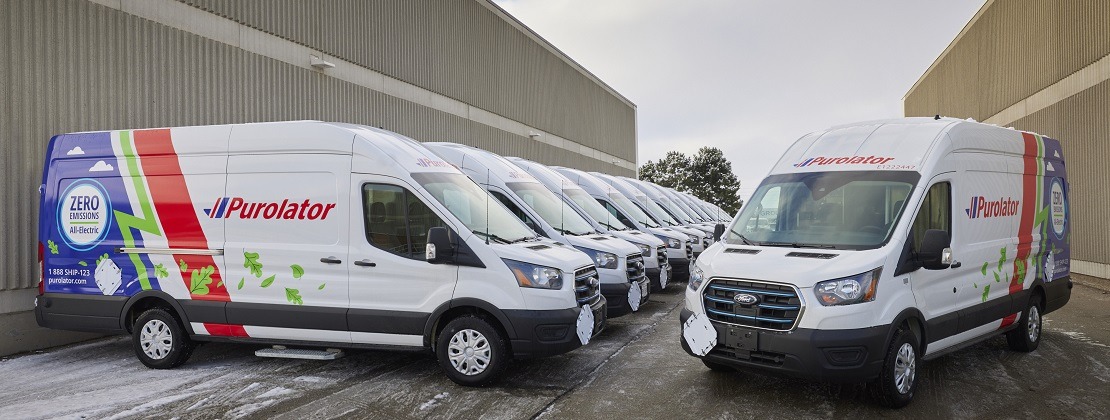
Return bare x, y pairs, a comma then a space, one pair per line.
935, 213
396, 220
613, 210
520, 214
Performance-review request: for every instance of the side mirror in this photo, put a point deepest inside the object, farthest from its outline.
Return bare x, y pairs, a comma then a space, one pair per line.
718, 232
439, 249
935, 253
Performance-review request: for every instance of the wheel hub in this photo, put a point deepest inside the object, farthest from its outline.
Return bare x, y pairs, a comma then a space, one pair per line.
905, 368
155, 339
1034, 323
469, 352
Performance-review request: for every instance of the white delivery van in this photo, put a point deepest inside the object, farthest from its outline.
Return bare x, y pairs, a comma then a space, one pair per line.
633, 192
619, 264
677, 251
674, 210
694, 206
892, 242
651, 247
306, 234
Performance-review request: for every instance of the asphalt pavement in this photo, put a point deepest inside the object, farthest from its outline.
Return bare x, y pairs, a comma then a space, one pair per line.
634, 369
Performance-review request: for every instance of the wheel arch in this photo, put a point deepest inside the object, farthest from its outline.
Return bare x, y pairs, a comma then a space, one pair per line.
150, 299
460, 306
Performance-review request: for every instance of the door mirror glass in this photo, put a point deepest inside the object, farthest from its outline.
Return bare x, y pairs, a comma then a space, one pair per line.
439, 249
718, 231
934, 247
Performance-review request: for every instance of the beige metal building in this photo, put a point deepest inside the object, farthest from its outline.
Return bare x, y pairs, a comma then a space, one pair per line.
435, 70
1041, 66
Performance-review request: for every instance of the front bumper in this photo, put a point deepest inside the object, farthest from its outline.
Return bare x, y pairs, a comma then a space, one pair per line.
854, 355
543, 333
617, 295
653, 276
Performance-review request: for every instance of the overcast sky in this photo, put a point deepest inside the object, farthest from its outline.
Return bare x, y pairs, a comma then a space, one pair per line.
749, 77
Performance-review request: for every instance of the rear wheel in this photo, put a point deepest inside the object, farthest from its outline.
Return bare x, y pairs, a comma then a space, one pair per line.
472, 351
1027, 336
159, 340
898, 380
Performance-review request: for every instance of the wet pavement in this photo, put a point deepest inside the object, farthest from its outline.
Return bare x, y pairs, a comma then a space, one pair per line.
635, 369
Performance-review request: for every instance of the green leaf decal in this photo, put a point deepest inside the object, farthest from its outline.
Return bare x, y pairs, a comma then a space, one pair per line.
160, 271
82, 263
101, 258
200, 279
321, 286
1020, 269
184, 267
986, 289
250, 261
53, 246
294, 296
1001, 257
996, 278
985, 265
268, 281
297, 271
220, 284
242, 281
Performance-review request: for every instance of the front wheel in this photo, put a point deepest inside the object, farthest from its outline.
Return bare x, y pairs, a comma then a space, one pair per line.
1027, 336
159, 340
898, 380
472, 351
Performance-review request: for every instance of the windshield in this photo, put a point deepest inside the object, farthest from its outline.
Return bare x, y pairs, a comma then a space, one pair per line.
661, 215
474, 207
843, 210
594, 209
632, 210
554, 211
689, 210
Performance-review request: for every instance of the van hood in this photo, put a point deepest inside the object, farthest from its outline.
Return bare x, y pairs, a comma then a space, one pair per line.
668, 232
544, 252
604, 243
802, 267
637, 237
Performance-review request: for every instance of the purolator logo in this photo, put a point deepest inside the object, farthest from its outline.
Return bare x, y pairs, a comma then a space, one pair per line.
1001, 207
287, 209
431, 163
844, 160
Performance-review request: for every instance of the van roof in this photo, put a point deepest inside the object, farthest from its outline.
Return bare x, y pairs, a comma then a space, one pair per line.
906, 144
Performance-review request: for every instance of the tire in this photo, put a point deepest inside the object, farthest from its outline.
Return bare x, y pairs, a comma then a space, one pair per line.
717, 367
159, 340
488, 351
1027, 336
898, 380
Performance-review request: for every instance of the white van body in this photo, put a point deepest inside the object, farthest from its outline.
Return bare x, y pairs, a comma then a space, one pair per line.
675, 210
695, 205
623, 278
648, 204
891, 241
652, 249
676, 255
297, 233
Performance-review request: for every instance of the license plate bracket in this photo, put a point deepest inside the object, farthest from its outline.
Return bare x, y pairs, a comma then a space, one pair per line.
742, 338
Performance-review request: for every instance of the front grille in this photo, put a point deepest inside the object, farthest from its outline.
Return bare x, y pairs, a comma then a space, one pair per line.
585, 290
661, 255
636, 271
689, 250
778, 307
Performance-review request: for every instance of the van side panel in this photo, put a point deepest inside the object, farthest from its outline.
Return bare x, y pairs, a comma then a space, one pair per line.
1055, 226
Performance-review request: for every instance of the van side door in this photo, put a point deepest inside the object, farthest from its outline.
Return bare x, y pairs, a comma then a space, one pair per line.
935, 290
286, 252
393, 289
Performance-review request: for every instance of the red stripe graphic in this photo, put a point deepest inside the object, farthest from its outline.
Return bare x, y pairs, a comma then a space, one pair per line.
1028, 213
225, 330
175, 207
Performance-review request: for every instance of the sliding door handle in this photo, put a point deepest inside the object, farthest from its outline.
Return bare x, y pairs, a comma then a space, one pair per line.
331, 260
365, 263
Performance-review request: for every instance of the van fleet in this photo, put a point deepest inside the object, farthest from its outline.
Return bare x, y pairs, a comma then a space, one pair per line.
619, 264
308, 234
872, 247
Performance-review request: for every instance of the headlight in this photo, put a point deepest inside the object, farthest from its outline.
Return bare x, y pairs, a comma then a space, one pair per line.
696, 278
601, 259
537, 276
693, 238
645, 250
671, 242
849, 290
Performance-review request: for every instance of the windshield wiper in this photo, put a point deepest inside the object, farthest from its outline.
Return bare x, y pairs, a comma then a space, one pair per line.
798, 245
745, 240
494, 237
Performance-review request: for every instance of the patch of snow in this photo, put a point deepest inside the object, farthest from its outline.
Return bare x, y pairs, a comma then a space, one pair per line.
248, 409
149, 405
427, 405
277, 392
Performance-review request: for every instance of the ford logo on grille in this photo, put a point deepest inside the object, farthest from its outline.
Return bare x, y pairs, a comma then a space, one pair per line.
593, 282
746, 299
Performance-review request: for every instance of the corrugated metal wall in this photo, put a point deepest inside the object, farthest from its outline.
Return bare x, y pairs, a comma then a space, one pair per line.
1020, 47
456, 47
71, 65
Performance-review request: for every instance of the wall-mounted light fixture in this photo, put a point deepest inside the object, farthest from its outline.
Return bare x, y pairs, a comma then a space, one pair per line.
319, 63
533, 135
